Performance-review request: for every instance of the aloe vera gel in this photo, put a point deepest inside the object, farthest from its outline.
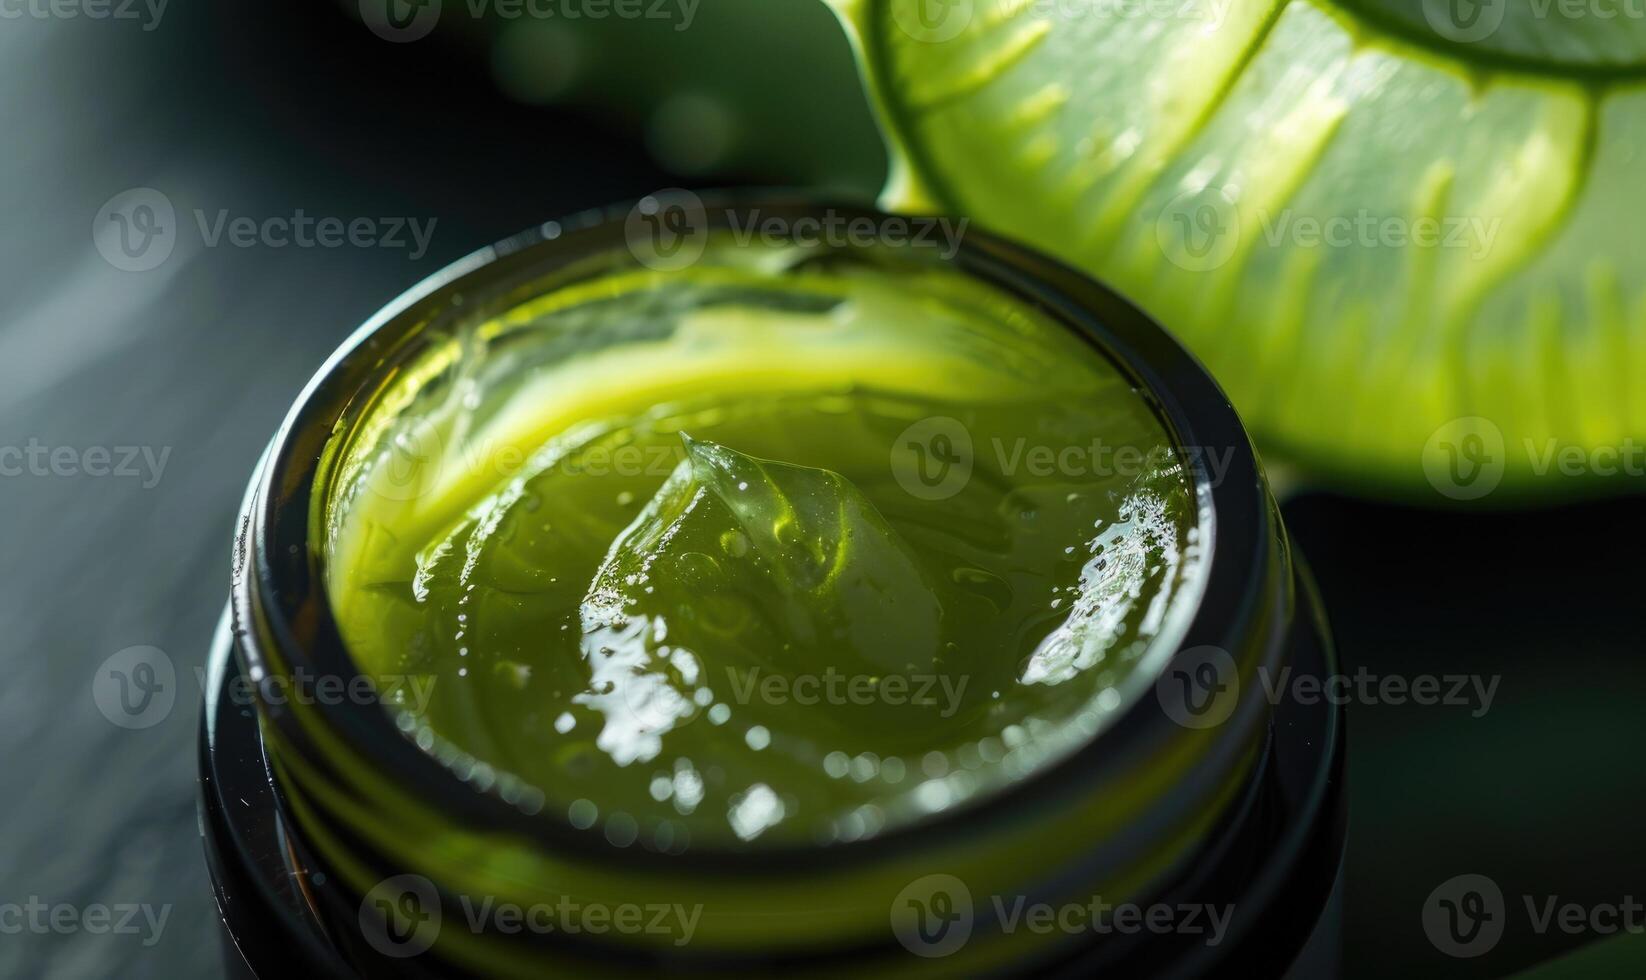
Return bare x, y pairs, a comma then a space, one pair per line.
851, 603
785, 547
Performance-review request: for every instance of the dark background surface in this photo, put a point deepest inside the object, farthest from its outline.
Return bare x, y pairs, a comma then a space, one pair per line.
295, 105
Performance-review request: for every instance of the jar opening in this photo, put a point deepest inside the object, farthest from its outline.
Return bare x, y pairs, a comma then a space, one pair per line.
793, 544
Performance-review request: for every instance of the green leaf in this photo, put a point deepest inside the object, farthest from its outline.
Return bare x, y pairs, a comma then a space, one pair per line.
1374, 227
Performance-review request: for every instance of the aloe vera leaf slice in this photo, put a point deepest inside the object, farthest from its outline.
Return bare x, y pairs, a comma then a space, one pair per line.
1105, 139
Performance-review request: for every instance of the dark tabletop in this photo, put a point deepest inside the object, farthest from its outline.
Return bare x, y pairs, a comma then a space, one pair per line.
261, 112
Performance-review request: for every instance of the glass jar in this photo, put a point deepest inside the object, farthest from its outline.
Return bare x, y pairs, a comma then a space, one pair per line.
1198, 831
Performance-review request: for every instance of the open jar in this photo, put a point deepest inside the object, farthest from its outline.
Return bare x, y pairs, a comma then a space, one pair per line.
752, 585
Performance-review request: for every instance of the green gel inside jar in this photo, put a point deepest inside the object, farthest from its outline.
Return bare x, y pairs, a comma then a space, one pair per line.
787, 546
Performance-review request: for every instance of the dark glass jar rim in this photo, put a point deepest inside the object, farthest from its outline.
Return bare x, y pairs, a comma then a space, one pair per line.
280, 595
